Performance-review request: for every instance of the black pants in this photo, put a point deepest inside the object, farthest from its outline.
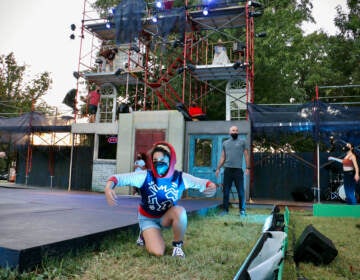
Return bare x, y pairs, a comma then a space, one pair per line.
236, 176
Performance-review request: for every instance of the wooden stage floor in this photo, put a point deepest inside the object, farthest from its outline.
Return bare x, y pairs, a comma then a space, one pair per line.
35, 222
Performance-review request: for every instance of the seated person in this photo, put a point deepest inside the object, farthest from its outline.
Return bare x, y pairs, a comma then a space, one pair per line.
106, 56
220, 56
196, 112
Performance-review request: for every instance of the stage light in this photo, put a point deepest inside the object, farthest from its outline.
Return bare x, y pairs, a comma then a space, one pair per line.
190, 67
154, 18
158, 4
178, 43
180, 70
205, 11
255, 14
237, 65
118, 72
76, 75
111, 11
134, 48
254, 4
72, 27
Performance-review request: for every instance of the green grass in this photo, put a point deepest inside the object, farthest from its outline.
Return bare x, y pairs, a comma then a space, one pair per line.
215, 248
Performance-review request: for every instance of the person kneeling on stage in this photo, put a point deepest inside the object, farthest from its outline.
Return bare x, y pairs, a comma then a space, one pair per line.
160, 187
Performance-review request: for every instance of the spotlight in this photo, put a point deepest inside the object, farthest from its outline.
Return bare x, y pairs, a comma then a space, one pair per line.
255, 14
111, 12
158, 4
76, 75
205, 11
179, 70
72, 36
72, 27
237, 65
177, 43
135, 48
154, 18
118, 72
254, 4
190, 67
98, 61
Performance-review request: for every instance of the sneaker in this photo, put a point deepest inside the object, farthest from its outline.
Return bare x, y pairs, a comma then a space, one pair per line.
140, 241
223, 213
178, 252
242, 213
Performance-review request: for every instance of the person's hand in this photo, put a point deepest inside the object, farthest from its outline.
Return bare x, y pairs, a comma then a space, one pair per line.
356, 178
217, 172
247, 171
110, 196
210, 190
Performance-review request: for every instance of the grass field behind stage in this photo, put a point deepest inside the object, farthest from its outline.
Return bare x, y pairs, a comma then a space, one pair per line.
215, 248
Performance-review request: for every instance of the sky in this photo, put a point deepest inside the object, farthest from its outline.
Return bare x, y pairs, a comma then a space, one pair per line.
38, 33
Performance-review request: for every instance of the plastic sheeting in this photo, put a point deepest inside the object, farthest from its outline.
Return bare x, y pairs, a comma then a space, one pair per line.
35, 122
318, 119
128, 20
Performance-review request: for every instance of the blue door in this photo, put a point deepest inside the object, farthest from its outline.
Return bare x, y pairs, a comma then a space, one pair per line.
204, 156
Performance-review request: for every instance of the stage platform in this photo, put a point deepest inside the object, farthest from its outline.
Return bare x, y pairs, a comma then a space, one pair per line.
336, 210
38, 222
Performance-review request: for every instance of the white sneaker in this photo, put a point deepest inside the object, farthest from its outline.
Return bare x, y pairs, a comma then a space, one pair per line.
140, 241
178, 252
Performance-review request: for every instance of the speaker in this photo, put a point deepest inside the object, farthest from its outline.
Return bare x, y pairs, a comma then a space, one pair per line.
303, 194
313, 246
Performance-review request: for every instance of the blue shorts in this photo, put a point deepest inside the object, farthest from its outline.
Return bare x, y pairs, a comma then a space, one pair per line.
145, 222
92, 109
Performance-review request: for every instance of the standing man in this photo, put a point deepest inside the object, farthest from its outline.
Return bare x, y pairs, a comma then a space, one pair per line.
233, 151
93, 100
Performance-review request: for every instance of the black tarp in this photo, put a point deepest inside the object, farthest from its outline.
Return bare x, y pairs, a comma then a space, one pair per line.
35, 122
317, 119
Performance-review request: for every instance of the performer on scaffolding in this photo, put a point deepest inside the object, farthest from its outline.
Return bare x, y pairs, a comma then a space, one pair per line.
220, 55
196, 112
161, 187
350, 171
93, 100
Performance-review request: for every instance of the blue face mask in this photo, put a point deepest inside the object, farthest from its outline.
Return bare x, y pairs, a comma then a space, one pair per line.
162, 165
161, 168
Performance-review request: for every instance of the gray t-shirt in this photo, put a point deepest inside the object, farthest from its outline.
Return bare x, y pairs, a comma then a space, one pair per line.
234, 152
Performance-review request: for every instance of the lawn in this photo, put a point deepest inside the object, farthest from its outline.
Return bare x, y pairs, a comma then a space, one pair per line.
215, 248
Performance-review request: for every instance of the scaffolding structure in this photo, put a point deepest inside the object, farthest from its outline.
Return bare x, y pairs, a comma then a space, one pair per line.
156, 73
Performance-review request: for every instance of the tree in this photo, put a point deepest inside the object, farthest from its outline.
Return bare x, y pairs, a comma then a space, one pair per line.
17, 95
278, 56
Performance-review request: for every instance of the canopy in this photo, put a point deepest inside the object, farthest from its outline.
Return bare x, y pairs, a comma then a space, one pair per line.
318, 119
35, 122
18, 127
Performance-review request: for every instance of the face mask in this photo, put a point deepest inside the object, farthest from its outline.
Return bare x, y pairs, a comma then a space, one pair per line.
234, 136
161, 168
162, 165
